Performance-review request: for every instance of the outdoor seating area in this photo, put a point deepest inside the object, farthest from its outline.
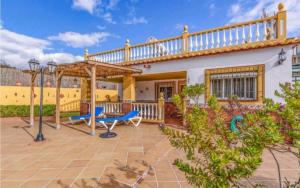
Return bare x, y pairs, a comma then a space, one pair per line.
208, 107
138, 157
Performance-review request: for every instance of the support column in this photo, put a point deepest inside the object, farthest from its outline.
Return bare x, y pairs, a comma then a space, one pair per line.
161, 108
128, 92
57, 107
33, 75
93, 99
185, 39
281, 22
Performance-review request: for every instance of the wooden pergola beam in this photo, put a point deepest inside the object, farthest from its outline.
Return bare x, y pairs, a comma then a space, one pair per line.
59, 75
92, 70
93, 100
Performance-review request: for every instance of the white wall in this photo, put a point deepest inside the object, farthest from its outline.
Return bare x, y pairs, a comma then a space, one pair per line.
195, 67
149, 95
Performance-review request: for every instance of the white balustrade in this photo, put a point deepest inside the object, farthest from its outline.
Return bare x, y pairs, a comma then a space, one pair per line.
155, 49
236, 34
148, 111
110, 107
115, 56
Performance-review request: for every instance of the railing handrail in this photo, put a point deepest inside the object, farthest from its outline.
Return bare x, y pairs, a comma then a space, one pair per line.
186, 42
233, 25
157, 41
106, 52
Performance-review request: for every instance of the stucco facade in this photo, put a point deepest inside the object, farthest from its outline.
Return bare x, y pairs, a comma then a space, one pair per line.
195, 67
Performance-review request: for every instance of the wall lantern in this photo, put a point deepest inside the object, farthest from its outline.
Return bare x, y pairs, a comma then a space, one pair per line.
75, 83
281, 56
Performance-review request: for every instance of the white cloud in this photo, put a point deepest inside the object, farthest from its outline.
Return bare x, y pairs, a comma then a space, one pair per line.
234, 9
1, 24
87, 5
179, 26
135, 20
101, 27
78, 40
241, 11
108, 17
112, 4
16, 49
212, 9
97, 7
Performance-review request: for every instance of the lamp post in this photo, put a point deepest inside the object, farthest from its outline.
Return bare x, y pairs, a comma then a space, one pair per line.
35, 66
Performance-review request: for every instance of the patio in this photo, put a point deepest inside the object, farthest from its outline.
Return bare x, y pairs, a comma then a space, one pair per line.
71, 157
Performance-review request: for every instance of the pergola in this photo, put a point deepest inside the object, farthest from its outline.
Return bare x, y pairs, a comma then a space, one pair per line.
88, 69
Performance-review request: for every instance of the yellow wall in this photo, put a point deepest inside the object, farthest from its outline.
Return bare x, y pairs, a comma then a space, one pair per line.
18, 95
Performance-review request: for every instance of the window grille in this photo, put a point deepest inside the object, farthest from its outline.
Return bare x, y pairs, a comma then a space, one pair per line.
243, 85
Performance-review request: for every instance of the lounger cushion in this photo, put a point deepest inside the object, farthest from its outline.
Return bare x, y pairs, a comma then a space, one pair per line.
98, 112
126, 117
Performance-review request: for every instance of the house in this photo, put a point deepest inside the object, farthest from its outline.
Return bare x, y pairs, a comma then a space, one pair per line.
247, 59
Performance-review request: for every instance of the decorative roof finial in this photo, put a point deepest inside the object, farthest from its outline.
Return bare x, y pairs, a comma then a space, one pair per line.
86, 53
127, 42
185, 28
280, 7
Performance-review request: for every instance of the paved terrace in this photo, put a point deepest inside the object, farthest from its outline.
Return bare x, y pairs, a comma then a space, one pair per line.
72, 158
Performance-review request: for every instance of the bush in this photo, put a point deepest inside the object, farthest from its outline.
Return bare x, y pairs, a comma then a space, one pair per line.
24, 110
219, 157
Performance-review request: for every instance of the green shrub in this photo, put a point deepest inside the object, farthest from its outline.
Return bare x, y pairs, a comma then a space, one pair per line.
24, 110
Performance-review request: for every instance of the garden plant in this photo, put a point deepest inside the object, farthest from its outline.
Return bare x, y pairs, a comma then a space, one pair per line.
218, 157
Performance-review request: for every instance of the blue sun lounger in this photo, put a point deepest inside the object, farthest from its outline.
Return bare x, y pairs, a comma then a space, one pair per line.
131, 116
85, 117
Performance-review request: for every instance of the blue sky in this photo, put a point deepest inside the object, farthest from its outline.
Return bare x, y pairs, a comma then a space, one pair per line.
60, 29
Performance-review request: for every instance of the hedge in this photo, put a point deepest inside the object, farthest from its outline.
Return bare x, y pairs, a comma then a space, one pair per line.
24, 110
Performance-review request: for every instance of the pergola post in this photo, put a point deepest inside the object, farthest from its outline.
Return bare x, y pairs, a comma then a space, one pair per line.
57, 107
93, 99
128, 92
33, 75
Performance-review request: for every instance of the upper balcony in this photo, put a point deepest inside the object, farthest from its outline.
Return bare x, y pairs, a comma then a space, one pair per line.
268, 28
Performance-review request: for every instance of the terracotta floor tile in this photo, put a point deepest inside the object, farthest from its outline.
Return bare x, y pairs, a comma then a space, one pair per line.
166, 175
46, 174
92, 172
37, 165
122, 175
69, 173
186, 185
60, 183
35, 183
86, 182
78, 163
168, 184
11, 184
20, 175
72, 154
97, 163
146, 184
107, 182
58, 164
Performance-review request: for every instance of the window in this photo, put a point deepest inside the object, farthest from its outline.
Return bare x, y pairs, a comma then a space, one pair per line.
243, 85
167, 88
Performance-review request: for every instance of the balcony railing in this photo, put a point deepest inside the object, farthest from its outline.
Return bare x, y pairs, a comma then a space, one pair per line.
268, 28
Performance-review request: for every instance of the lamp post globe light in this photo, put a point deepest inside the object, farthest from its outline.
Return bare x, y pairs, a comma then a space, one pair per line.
35, 66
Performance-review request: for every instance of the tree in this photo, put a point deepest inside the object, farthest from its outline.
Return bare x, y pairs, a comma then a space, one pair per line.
218, 157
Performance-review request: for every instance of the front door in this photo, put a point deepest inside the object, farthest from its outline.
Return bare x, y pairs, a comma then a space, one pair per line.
167, 88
